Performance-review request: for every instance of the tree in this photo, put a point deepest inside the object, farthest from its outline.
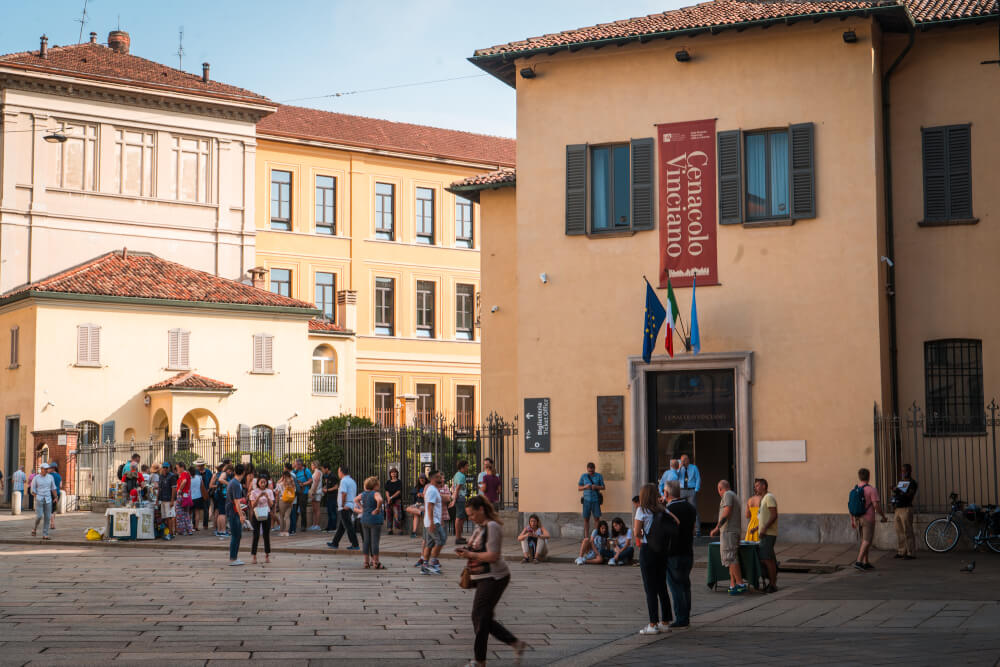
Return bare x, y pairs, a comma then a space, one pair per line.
328, 445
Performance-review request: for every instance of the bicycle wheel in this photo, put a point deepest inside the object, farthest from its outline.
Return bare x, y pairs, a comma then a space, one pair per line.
993, 541
941, 535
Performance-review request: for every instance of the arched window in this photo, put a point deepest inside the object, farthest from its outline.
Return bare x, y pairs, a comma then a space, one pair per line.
90, 433
260, 438
324, 372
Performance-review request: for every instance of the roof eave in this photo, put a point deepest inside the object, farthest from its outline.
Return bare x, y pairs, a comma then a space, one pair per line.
307, 313
501, 65
332, 334
191, 390
473, 191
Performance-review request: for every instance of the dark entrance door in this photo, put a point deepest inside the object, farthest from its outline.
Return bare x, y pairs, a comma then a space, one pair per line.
693, 413
12, 430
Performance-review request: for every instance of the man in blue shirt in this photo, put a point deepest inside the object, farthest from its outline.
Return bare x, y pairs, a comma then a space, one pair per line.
591, 483
57, 478
303, 480
690, 480
346, 494
671, 474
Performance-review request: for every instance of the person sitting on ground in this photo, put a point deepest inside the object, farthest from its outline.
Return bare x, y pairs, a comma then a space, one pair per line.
596, 549
534, 540
621, 543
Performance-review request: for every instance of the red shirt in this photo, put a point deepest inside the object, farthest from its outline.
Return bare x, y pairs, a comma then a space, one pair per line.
183, 482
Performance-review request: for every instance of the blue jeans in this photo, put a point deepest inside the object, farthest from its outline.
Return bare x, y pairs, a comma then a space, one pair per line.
235, 535
43, 513
679, 583
591, 508
626, 555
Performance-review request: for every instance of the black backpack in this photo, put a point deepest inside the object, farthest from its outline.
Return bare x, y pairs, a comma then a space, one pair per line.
662, 532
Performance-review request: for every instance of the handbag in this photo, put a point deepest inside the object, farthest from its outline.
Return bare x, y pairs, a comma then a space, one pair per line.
261, 512
186, 501
465, 579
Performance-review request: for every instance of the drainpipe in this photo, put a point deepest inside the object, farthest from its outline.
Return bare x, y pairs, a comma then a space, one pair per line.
890, 245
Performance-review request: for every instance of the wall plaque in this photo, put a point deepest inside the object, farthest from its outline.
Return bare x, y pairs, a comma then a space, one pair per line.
537, 436
610, 423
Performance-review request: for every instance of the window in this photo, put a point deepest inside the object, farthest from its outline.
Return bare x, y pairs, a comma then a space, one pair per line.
324, 371
465, 406
326, 294
425, 215
385, 195
778, 181
609, 188
15, 343
178, 346
465, 296
263, 357
947, 153
609, 180
88, 345
384, 306
953, 372
75, 164
90, 433
463, 222
281, 200
281, 282
261, 438
326, 205
425, 403
134, 162
189, 169
385, 404
425, 309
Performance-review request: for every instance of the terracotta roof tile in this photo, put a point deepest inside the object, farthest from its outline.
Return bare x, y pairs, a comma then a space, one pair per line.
191, 381
489, 179
927, 11
145, 276
318, 125
324, 326
98, 62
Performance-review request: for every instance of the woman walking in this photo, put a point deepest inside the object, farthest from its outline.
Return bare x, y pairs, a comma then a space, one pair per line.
184, 501
285, 492
394, 502
372, 519
652, 564
490, 575
261, 506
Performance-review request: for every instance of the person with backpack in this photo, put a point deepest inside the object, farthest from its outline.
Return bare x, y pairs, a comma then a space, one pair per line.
862, 504
902, 501
729, 531
654, 529
591, 483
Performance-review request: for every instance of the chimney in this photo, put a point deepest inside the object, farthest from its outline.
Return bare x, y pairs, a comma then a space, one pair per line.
43, 50
118, 41
125, 253
347, 309
93, 38
257, 277
204, 72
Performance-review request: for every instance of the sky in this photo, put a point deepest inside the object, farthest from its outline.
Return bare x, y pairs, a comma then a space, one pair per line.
309, 48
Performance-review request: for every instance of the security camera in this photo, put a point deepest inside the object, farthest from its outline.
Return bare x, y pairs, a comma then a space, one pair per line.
544, 278
888, 261
494, 309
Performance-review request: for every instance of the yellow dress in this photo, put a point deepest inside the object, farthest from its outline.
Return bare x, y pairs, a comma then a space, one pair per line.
753, 526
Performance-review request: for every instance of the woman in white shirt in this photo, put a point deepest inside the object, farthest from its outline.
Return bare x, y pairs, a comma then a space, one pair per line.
621, 542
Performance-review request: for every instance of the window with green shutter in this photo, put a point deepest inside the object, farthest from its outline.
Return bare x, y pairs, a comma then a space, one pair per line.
947, 155
609, 187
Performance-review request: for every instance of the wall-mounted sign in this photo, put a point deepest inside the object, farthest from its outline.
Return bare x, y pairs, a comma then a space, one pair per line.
687, 203
426, 457
610, 423
536, 425
61, 439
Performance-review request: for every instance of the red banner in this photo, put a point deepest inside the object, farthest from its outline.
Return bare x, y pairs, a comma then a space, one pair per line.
687, 203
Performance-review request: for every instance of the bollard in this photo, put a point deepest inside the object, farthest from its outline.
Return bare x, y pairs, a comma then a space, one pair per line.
61, 505
15, 503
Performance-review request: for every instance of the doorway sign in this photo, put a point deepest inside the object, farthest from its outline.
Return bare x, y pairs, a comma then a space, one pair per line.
537, 436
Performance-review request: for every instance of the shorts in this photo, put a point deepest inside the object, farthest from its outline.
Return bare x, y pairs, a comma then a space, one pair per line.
167, 509
199, 504
434, 537
729, 548
591, 508
866, 530
460, 507
316, 497
766, 547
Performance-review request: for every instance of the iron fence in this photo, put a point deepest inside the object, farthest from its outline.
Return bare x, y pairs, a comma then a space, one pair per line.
948, 455
366, 451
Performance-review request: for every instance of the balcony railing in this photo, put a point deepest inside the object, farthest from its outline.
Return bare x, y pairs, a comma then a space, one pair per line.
324, 384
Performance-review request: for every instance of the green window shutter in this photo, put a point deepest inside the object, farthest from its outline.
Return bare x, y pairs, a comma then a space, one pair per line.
730, 178
576, 189
643, 216
959, 172
108, 432
935, 174
802, 164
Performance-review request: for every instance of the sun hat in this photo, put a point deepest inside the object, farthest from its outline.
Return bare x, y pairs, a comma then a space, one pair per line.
45, 466
199, 462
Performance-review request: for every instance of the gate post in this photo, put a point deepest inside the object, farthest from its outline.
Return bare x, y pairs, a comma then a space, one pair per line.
993, 437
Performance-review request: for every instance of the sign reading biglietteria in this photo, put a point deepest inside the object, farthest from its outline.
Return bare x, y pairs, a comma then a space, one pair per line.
536, 425
687, 203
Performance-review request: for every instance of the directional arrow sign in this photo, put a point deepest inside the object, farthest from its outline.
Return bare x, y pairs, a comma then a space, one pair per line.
537, 436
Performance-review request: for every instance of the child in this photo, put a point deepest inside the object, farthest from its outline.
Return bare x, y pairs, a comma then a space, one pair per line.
621, 543
596, 549
534, 540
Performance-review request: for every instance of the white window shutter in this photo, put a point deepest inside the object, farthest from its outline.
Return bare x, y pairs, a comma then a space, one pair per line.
95, 345
258, 352
172, 353
184, 348
268, 352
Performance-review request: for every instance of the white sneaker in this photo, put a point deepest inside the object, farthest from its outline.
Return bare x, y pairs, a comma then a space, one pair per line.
234, 563
663, 627
314, 528
649, 630
612, 562
579, 561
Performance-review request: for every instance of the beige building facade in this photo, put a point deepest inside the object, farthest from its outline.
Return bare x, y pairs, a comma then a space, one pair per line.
822, 272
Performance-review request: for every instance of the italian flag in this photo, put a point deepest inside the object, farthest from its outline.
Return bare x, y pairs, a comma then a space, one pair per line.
672, 314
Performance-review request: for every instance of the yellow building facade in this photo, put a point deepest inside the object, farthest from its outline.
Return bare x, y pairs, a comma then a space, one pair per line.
359, 205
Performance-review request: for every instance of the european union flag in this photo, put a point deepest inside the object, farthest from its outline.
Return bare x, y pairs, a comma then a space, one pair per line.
655, 315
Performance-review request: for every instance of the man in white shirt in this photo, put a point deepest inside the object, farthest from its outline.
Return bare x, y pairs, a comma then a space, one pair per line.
434, 537
43, 488
345, 508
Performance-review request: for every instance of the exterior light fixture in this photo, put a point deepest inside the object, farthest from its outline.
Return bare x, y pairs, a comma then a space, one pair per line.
528, 73
682, 56
850, 37
55, 138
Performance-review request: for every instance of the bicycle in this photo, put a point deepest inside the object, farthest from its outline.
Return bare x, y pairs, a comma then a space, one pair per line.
942, 534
